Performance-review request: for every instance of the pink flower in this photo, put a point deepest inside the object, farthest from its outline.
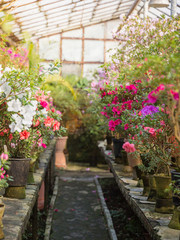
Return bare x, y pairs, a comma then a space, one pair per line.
128, 147
111, 125
175, 95
126, 126
161, 87
162, 123
132, 88
43, 145
4, 156
151, 98
43, 104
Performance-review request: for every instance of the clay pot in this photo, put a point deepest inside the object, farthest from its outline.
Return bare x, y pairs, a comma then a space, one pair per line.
41, 197
164, 202
152, 192
61, 143
60, 159
134, 159
19, 169
126, 167
146, 186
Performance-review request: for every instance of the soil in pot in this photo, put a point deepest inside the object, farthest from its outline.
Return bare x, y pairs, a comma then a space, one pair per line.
126, 224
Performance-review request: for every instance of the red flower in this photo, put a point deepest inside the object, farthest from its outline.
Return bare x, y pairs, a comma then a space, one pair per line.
10, 136
48, 121
24, 134
37, 123
1, 134
56, 125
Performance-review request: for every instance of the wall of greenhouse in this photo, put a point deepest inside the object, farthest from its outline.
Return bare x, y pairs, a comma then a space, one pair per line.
82, 50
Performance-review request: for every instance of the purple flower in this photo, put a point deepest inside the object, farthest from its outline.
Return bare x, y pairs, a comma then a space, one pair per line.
149, 110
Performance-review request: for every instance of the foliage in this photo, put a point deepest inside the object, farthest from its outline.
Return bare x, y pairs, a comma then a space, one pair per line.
139, 89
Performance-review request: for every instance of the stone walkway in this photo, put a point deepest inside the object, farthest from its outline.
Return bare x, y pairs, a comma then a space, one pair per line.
77, 210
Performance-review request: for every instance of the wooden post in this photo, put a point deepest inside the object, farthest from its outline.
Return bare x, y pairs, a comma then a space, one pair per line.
61, 50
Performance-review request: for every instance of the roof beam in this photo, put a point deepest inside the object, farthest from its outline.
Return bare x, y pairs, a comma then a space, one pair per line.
62, 11
58, 24
70, 29
136, 2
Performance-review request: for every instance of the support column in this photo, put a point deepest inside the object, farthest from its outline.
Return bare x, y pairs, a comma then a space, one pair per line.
146, 3
173, 8
82, 54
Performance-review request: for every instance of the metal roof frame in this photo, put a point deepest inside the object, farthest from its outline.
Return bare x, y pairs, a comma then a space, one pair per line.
46, 17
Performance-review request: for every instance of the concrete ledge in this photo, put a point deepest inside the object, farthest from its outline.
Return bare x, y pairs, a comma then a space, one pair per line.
18, 211
112, 232
155, 223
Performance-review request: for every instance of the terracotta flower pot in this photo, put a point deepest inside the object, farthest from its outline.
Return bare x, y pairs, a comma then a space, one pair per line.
126, 167
134, 159
60, 159
41, 197
61, 143
19, 170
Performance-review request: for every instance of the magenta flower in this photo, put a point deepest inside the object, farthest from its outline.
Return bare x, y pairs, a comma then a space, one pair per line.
43, 104
43, 145
175, 95
151, 97
126, 126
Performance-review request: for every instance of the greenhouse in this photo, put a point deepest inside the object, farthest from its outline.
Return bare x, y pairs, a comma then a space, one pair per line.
89, 119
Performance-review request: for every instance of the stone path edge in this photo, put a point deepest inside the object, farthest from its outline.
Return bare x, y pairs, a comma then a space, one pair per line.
106, 212
51, 210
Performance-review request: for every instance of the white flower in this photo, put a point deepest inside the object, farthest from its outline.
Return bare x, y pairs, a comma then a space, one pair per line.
44, 112
14, 105
17, 118
15, 127
7, 69
5, 88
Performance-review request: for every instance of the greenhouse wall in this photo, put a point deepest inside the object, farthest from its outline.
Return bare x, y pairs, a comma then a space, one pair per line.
81, 50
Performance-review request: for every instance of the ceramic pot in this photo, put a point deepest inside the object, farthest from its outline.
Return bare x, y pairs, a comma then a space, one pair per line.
146, 186
19, 168
126, 167
152, 192
164, 202
117, 146
175, 220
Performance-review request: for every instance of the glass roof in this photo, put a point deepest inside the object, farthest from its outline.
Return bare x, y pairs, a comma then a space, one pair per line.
42, 18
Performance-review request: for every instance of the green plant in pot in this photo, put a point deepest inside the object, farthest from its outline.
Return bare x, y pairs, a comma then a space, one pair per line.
154, 146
